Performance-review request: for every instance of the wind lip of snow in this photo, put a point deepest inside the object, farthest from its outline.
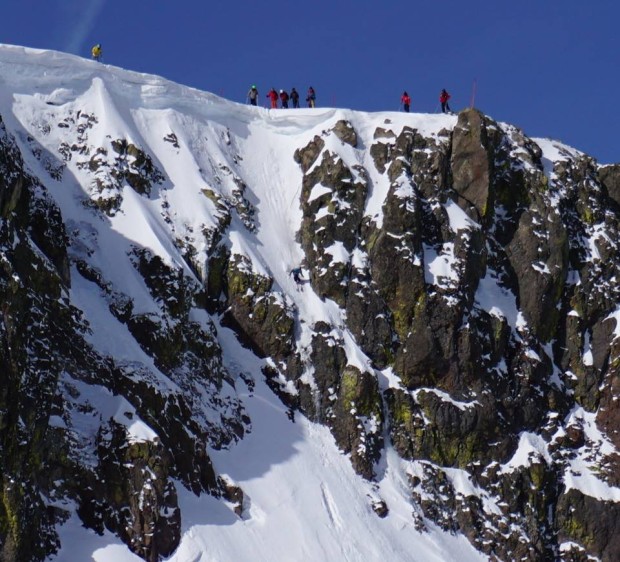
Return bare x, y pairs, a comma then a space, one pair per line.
531, 447
579, 476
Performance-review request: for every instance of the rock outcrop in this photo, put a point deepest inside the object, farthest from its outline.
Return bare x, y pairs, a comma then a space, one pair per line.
497, 350
79, 428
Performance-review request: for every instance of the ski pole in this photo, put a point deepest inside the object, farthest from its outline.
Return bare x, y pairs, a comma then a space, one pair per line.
473, 94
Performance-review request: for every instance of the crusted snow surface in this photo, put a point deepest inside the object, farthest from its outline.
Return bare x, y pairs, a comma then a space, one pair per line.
440, 266
581, 472
531, 448
445, 397
555, 151
303, 499
497, 300
458, 218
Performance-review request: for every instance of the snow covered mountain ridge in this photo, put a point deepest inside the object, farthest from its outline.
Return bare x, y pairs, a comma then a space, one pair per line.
443, 386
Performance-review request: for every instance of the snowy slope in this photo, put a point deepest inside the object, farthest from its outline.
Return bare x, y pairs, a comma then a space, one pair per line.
216, 167
306, 501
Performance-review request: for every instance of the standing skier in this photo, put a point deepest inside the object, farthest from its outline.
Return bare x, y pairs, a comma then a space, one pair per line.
295, 97
443, 99
406, 101
96, 52
296, 273
253, 95
273, 96
311, 99
284, 99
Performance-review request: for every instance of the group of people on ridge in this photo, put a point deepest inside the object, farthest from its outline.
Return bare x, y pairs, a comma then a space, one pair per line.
293, 97
283, 96
444, 96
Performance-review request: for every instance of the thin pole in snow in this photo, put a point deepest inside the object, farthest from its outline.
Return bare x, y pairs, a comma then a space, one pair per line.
473, 94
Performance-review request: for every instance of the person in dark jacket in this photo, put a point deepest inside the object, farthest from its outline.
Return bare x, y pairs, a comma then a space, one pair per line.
443, 99
406, 101
253, 95
284, 99
297, 275
311, 98
273, 96
294, 97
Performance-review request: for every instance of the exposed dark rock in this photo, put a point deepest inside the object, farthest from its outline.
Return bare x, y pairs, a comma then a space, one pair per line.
357, 423
380, 508
132, 495
307, 156
591, 523
332, 201
472, 164
345, 132
610, 178
260, 315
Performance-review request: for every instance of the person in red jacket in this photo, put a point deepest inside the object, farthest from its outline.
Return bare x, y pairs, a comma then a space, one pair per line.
284, 99
406, 101
273, 96
443, 99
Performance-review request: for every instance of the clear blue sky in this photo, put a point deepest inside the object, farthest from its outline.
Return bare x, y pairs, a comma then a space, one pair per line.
547, 66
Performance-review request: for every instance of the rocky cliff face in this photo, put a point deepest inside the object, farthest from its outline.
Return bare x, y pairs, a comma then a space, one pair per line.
513, 401
480, 296
96, 431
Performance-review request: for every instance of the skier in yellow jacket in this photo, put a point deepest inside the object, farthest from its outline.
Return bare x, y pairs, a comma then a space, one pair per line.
96, 52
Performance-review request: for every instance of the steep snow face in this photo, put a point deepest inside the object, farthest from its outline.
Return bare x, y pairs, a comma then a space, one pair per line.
423, 383
304, 501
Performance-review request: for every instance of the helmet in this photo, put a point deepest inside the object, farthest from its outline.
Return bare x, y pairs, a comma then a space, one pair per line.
253, 87
281, 91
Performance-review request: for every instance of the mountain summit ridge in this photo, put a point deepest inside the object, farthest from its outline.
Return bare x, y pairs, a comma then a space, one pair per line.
447, 372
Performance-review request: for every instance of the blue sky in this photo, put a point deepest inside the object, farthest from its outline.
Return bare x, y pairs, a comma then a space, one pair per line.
547, 66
